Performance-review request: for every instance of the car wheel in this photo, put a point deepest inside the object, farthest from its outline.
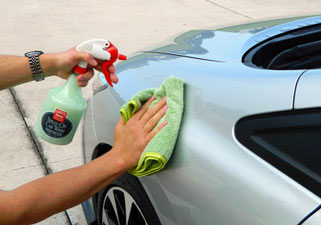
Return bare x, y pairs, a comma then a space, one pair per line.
124, 202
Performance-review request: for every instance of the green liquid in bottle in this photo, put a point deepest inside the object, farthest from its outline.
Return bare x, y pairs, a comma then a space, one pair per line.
61, 113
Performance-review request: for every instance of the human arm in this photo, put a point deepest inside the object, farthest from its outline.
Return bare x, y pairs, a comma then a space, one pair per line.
46, 196
16, 69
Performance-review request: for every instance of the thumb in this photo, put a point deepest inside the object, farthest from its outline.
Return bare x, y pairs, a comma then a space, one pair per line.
121, 122
87, 57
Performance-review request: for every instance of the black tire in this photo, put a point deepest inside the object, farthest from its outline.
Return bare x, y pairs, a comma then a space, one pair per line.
126, 189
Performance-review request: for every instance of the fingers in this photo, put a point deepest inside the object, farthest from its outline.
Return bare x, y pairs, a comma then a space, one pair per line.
152, 111
99, 67
84, 78
144, 108
111, 69
155, 131
113, 76
152, 122
138, 132
120, 122
84, 56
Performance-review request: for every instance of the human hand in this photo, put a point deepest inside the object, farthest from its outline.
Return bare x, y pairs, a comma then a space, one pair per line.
130, 139
64, 62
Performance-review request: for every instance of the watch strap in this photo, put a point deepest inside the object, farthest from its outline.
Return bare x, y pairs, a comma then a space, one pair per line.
34, 62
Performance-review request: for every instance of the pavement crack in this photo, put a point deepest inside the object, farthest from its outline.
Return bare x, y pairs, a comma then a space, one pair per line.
35, 141
223, 7
32, 135
24, 167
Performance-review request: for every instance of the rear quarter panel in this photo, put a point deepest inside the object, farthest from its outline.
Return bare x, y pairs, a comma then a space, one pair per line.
211, 178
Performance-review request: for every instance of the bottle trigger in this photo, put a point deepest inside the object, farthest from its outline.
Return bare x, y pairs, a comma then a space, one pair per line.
106, 73
122, 57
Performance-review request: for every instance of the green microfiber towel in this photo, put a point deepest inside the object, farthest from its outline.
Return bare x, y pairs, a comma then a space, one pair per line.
160, 148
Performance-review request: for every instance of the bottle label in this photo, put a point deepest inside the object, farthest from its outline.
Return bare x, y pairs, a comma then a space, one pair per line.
56, 125
59, 115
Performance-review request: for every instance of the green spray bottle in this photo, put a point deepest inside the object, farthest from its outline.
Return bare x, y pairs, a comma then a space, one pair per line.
64, 106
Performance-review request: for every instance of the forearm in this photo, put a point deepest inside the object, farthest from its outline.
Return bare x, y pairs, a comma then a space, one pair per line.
16, 69
44, 197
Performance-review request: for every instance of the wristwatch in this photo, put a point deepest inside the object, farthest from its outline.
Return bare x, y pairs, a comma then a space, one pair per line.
34, 62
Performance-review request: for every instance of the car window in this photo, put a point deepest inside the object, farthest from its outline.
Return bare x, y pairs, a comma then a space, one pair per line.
298, 49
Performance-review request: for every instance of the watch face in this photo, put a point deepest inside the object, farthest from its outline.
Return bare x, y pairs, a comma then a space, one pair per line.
33, 53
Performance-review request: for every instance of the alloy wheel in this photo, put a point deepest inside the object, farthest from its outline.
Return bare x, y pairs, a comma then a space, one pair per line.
119, 208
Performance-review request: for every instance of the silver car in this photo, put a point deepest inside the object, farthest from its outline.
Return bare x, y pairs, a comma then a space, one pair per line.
249, 147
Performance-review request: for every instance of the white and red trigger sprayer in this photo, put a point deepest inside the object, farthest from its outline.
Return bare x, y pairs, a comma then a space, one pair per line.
100, 49
64, 106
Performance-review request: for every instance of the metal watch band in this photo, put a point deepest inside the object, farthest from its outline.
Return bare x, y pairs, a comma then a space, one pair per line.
34, 62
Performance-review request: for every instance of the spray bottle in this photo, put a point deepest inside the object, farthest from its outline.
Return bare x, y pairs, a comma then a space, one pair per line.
64, 106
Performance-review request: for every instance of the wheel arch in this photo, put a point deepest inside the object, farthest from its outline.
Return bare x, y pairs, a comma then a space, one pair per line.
99, 150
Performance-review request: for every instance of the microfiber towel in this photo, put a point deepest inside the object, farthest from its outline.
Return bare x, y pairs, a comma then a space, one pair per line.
160, 148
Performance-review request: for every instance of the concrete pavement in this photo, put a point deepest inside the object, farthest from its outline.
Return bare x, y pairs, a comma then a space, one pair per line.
133, 25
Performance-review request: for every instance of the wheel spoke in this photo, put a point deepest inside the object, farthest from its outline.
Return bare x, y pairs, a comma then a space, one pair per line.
128, 204
105, 219
120, 208
111, 196
120, 204
136, 217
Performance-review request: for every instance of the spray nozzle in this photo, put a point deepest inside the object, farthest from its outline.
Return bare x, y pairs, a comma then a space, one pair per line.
100, 49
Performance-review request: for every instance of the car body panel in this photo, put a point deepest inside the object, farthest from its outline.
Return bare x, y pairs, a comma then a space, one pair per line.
211, 178
211, 44
213, 106
88, 134
308, 94
314, 219
229, 93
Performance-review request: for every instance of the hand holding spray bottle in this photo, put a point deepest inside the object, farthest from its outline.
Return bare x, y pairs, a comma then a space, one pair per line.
64, 106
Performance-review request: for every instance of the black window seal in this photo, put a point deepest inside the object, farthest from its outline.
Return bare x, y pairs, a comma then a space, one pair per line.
247, 57
244, 129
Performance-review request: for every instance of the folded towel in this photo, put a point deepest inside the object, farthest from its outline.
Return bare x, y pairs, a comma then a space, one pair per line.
160, 148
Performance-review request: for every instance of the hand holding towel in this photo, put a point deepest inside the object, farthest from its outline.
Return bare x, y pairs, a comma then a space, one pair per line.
160, 148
